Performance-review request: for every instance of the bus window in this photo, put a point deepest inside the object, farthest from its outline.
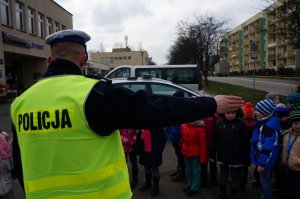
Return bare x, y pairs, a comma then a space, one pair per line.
121, 72
154, 72
182, 75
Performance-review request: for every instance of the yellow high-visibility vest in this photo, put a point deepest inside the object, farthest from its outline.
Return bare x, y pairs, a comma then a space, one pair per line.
61, 156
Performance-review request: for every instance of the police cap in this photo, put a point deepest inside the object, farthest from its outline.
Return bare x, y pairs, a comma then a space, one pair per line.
76, 36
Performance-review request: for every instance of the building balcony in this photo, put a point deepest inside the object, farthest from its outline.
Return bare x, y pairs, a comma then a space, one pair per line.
271, 57
291, 53
280, 42
271, 45
280, 56
271, 31
233, 55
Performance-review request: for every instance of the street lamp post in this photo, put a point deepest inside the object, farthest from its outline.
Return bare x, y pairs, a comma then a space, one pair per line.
253, 49
142, 52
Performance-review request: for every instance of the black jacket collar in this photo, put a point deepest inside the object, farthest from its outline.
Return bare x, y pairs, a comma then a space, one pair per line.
62, 67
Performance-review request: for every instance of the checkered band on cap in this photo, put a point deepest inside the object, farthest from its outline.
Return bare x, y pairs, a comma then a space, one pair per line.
265, 107
294, 116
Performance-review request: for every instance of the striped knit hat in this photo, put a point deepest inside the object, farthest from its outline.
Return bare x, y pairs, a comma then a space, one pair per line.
265, 107
294, 116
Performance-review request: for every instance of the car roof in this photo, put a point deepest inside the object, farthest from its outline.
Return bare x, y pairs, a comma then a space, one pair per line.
152, 80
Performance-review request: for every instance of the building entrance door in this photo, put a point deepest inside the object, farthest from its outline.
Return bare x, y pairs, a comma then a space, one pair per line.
14, 77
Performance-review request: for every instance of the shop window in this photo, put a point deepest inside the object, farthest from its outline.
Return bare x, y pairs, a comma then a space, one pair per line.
4, 11
31, 21
41, 25
19, 16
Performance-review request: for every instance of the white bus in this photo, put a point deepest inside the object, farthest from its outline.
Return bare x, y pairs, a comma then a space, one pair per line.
184, 75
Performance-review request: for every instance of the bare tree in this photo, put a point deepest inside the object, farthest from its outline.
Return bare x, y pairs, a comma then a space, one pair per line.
140, 47
198, 42
287, 15
151, 62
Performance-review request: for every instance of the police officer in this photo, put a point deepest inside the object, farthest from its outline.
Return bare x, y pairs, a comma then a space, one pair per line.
67, 143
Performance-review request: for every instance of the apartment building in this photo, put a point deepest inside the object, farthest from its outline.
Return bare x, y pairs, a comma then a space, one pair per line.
23, 51
267, 32
121, 56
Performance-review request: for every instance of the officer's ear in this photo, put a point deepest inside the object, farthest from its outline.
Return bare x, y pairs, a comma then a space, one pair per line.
83, 59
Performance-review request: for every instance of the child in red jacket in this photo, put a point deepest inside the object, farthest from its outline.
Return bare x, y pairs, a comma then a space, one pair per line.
194, 150
128, 137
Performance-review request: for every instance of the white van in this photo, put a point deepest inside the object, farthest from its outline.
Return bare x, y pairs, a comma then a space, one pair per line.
184, 75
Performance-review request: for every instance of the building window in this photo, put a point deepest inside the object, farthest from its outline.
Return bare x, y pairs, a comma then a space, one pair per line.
41, 25
31, 21
63, 27
19, 16
49, 26
129, 57
56, 28
4, 11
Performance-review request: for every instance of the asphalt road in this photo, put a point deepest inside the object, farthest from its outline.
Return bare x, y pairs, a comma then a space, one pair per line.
168, 188
282, 87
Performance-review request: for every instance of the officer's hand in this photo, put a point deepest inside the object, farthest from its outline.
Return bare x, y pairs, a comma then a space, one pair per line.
228, 103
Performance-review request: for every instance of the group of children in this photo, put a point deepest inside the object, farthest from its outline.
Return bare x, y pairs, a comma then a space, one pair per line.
264, 135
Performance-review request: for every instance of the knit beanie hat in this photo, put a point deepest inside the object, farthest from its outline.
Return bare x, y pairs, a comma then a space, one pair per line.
249, 110
294, 116
282, 110
271, 96
294, 100
265, 107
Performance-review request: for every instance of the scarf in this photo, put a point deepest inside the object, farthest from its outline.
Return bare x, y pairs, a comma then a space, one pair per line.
146, 136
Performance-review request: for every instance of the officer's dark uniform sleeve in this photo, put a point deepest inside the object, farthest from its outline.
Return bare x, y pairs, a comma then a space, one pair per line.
109, 107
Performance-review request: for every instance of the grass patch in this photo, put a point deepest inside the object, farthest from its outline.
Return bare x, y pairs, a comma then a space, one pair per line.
248, 94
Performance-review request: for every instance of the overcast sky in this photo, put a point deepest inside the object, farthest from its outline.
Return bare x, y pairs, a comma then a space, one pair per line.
152, 23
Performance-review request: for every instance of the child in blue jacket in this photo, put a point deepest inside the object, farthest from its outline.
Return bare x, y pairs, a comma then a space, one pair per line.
264, 144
